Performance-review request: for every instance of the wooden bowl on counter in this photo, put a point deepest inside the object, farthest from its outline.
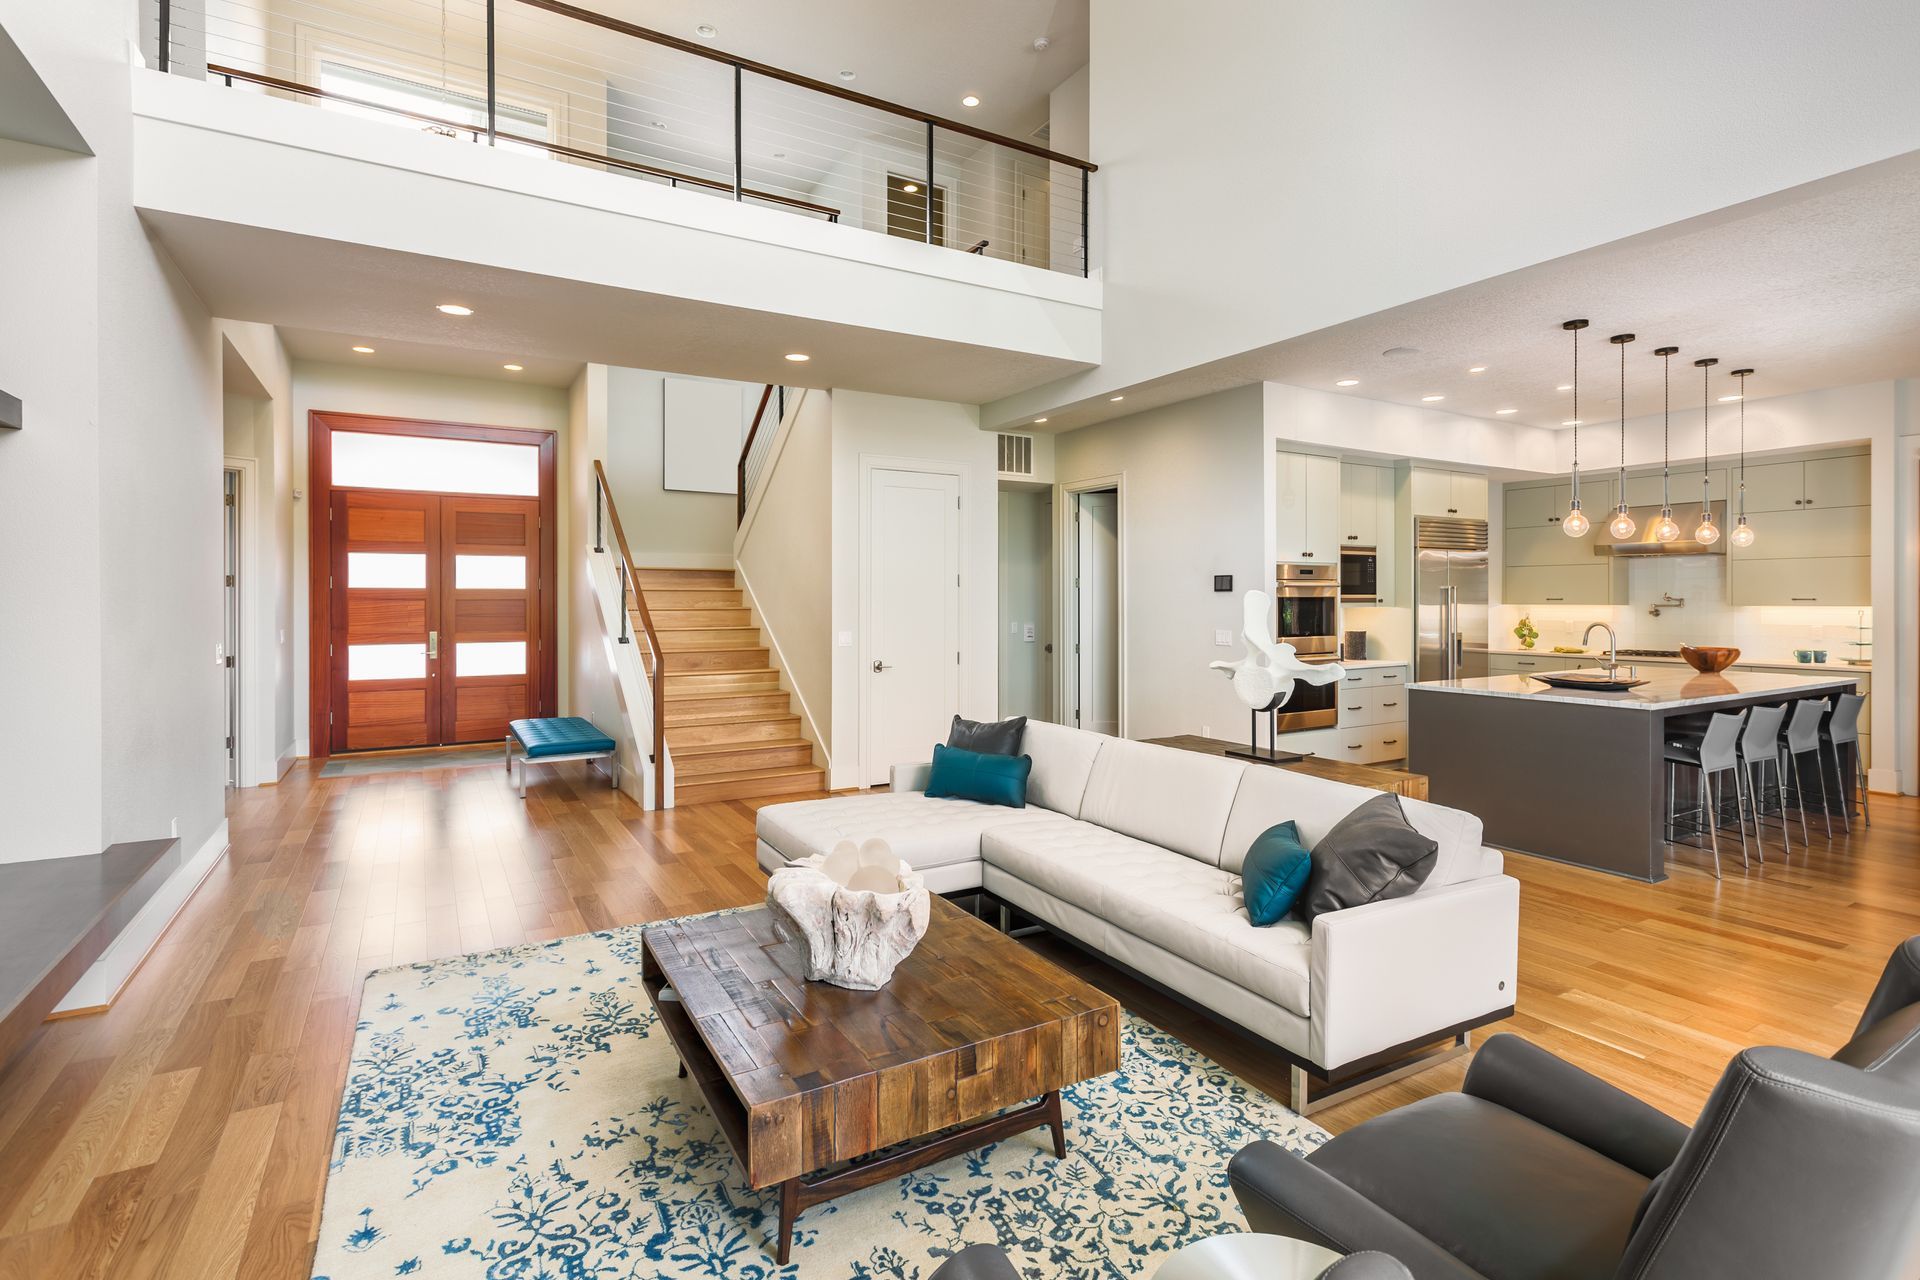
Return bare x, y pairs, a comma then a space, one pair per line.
1709, 659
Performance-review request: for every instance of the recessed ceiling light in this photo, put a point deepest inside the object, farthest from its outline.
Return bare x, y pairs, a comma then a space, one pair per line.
969, 101
798, 357
706, 31
453, 309
365, 351
513, 368
1431, 399
910, 187
1506, 411
1728, 399
1347, 382
1038, 421
1565, 386
1116, 399
846, 75
1479, 368
1573, 422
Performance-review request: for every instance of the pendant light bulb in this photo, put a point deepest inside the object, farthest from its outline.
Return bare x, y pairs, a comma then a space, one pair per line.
1576, 524
1706, 533
1742, 535
1666, 528
1622, 527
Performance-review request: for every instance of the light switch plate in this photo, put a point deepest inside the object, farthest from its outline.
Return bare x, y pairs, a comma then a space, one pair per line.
1223, 638
1027, 635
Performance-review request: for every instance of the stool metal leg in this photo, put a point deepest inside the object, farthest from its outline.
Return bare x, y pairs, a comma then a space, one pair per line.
1799, 793
1860, 767
1826, 809
1711, 809
1740, 815
1840, 782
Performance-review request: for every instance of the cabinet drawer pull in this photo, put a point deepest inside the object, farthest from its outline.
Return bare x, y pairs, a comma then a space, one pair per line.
1389, 704
1307, 554
1356, 746
1806, 599
1353, 537
1553, 599
1389, 742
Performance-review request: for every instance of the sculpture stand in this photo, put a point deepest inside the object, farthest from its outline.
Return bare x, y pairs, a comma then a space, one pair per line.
1253, 752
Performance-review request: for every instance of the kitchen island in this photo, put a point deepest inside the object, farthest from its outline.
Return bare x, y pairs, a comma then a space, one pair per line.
1579, 775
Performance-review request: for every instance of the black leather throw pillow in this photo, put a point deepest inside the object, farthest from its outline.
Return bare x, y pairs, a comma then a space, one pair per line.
1001, 738
1370, 855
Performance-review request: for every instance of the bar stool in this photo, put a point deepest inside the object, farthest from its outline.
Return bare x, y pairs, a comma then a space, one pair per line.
1759, 751
1712, 753
1843, 729
1802, 736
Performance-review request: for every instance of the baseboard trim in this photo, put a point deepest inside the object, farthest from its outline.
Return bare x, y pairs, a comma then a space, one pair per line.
103, 982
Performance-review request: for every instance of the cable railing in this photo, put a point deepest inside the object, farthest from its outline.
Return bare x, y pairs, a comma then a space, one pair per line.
772, 411
551, 78
605, 515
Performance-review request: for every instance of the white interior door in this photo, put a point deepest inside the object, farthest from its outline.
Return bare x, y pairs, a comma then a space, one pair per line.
1097, 597
910, 618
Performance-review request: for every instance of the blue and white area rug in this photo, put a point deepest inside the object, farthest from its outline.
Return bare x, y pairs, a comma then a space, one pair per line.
517, 1115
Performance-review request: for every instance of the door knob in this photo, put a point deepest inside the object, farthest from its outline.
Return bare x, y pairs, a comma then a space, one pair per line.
881, 666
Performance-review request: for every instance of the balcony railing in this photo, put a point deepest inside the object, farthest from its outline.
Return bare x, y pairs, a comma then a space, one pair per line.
551, 78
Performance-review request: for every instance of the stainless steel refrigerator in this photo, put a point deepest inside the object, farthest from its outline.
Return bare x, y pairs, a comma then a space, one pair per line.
1449, 594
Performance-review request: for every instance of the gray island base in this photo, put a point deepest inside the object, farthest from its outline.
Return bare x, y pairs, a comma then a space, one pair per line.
1579, 775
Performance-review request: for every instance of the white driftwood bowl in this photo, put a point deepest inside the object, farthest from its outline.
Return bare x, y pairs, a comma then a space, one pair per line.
860, 911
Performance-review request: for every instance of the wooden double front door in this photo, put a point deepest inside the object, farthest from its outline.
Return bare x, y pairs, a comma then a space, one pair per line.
435, 618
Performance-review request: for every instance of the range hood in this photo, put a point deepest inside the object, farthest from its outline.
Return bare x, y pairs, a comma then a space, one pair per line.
1642, 543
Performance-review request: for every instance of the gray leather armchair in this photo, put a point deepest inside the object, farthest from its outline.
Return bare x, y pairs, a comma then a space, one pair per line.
984, 1262
1799, 1166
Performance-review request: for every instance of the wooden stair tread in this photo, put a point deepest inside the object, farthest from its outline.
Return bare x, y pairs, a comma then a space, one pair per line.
729, 748
729, 717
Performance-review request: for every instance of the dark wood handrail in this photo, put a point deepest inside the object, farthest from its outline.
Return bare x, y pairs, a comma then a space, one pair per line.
632, 166
659, 680
740, 471
981, 247
588, 16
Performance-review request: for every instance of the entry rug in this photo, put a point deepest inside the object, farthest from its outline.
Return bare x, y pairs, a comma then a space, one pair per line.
517, 1115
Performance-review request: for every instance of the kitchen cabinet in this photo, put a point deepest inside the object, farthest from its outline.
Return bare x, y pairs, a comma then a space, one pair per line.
1824, 580
1809, 533
1513, 664
1547, 544
1531, 507
1360, 506
1560, 583
1816, 482
1448, 493
1307, 509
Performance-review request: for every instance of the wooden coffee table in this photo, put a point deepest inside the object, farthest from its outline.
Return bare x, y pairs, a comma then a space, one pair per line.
805, 1076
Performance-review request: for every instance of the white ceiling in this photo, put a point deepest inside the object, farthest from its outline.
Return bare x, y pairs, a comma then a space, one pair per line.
912, 52
1814, 287
426, 357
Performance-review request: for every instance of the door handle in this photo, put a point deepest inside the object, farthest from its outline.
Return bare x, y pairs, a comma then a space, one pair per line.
882, 666
433, 644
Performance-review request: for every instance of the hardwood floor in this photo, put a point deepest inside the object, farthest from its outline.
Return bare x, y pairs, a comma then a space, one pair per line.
186, 1131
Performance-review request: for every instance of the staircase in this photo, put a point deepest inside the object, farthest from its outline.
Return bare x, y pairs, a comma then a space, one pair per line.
730, 727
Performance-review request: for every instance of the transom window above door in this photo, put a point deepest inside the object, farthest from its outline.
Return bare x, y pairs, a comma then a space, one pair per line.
427, 464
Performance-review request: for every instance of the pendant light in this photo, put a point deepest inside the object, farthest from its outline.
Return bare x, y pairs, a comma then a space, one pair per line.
1576, 524
1666, 528
1621, 527
1742, 535
1706, 533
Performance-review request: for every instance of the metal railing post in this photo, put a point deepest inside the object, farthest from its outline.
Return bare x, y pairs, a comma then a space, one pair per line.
624, 637
1086, 224
493, 82
929, 182
599, 539
739, 150
166, 35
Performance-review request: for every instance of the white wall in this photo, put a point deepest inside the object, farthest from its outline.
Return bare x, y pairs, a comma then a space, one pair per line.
1308, 164
1026, 598
406, 394
666, 528
871, 430
785, 559
1192, 478
1068, 129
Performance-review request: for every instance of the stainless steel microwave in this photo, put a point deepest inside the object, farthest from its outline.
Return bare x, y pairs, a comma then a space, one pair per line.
1359, 574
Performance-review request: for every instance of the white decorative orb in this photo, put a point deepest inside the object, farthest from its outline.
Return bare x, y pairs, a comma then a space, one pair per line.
860, 911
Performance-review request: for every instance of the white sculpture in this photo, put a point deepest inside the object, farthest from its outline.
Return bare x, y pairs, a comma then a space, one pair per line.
1263, 677
860, 911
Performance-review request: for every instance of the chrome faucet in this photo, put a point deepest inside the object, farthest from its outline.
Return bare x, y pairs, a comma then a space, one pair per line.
1613, 643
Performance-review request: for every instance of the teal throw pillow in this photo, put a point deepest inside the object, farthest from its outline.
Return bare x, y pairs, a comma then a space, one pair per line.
1276, 870
972, 775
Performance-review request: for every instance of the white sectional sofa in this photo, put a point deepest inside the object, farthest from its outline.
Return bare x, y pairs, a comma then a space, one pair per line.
1134, 851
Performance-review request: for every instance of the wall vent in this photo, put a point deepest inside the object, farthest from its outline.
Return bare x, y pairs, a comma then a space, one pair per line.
1016, 455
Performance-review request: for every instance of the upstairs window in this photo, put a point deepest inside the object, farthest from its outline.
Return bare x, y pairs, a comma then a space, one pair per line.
465, 113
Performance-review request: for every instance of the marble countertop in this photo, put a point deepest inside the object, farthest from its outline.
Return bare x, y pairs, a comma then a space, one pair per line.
1363, 664
1746, 660
1666, 688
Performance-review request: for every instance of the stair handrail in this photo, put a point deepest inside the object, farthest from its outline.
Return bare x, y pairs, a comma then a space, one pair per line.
746, 448
630, 581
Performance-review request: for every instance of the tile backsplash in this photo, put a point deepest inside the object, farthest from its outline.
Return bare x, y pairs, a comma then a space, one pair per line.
1764, 634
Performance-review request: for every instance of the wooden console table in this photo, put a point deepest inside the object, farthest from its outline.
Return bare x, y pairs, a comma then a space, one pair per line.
1376, 777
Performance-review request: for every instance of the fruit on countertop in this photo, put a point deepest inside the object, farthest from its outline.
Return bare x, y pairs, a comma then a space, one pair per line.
1568, 648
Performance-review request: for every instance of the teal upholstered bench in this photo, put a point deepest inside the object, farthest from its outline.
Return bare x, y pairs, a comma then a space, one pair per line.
553, 739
